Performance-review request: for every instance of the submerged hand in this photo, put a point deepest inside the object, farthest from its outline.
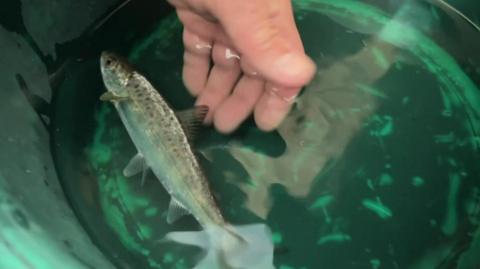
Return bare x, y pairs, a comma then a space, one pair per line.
242, 57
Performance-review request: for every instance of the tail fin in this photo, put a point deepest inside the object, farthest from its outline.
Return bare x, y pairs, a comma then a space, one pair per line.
231, 247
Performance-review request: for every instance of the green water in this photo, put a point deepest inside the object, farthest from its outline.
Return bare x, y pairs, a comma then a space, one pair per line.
375, 167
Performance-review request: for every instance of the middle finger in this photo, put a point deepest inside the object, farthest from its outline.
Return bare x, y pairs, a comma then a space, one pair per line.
221, 80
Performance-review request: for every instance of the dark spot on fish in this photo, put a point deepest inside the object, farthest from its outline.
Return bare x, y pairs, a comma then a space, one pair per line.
21, 219
300, 119
136, 88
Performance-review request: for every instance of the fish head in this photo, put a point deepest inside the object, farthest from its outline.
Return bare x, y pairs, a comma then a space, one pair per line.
116, 73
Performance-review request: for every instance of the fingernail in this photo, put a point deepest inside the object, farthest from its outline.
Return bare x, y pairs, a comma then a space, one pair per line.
286, 94
248, 69
203, 46
199, 43
229, 54
290, 99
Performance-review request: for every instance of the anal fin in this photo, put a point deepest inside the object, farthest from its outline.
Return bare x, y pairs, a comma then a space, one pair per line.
175, 211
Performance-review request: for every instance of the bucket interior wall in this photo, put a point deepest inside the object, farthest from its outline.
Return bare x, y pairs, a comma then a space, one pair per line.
37, 226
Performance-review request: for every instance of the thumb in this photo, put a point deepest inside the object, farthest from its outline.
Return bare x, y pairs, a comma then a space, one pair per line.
265, 34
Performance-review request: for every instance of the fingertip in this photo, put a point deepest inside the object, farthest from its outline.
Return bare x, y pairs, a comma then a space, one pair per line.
271, 110
292, 70
265, 124
239, 105
223, 124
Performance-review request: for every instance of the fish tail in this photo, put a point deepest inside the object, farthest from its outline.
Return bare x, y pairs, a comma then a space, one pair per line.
245, 246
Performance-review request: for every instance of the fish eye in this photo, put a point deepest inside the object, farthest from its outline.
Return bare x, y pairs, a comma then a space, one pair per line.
108, 62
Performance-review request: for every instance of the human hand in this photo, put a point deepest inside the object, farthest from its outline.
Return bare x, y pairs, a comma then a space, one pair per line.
242, 57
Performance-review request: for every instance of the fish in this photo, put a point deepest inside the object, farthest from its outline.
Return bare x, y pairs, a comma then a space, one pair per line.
163, 138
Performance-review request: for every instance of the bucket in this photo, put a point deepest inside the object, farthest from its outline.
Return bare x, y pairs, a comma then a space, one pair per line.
376, 166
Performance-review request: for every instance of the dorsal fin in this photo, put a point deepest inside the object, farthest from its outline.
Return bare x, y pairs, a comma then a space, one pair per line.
192, 119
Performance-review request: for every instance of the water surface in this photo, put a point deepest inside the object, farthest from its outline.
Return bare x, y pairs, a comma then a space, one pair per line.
375, 167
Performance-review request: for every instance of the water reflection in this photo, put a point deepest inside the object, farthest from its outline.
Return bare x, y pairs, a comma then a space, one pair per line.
325, 118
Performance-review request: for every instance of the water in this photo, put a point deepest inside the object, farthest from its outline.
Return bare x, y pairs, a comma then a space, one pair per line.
375, 167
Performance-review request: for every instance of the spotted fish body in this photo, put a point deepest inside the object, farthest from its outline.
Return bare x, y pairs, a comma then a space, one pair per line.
161, 139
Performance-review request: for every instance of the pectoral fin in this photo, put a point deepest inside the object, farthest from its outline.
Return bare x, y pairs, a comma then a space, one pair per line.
192, 120
111, 97
136, 165
175, 211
